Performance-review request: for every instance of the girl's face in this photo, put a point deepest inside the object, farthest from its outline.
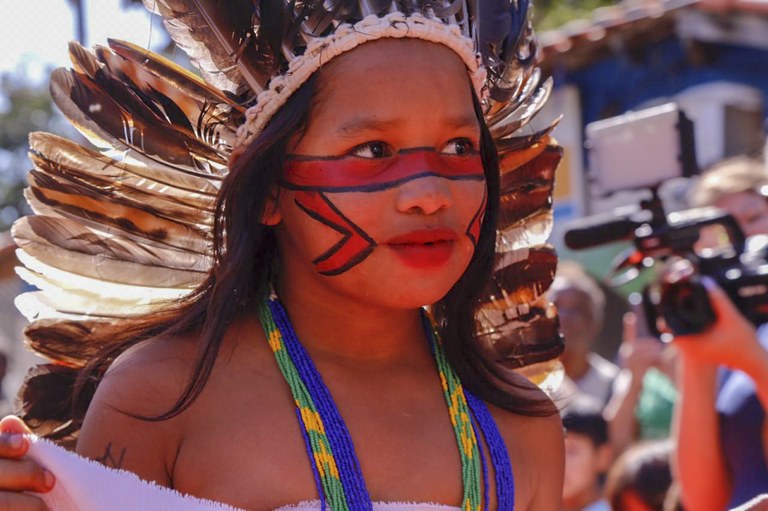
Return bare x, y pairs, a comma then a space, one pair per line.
383, 195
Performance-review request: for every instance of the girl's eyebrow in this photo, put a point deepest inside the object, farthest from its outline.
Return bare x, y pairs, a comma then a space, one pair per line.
464, 121
356, 125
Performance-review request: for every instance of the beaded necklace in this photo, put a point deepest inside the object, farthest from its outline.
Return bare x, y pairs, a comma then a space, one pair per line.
336, 469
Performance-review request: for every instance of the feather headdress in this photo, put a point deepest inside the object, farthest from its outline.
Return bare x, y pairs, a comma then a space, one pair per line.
127, 227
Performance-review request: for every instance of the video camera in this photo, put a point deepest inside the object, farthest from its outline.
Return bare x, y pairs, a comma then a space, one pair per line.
676, 302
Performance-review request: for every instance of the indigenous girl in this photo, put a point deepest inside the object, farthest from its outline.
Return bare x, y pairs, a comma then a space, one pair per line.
303, 369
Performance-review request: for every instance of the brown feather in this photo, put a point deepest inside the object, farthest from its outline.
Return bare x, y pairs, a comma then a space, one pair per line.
153, 218
90, 207
218, 41
181, 96
520, 340
522, 281
154, 202
528, 188
45, 402
143, 135
70, 247
73, 343
186, 188
149, 63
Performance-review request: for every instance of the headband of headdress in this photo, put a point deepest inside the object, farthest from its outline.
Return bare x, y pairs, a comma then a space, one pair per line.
126, 227
346, 37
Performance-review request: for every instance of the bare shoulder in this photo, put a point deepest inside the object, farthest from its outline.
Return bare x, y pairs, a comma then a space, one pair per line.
124, 426
536, 450
148, 376
142, 383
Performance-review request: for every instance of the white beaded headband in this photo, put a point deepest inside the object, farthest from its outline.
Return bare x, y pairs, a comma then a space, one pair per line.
345, 38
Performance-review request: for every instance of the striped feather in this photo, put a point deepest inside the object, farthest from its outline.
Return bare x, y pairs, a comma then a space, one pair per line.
69, 246
72, 343
220, 42
149, 200
109, 124
80, 203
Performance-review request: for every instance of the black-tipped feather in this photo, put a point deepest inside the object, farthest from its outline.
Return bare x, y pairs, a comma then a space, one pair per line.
139, 197
220, 42
88, 206
186, 188
45, 402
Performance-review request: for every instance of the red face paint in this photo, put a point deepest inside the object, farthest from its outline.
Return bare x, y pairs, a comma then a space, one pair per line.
355, 174
354, 246
312, 178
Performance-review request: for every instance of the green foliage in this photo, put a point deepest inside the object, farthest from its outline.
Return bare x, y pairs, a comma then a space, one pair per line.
24, 107
550, 14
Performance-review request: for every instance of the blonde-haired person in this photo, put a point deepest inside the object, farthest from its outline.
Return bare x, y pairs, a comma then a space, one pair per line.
739, 186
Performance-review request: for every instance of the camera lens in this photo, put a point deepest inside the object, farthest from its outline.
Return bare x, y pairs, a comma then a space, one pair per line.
685, 306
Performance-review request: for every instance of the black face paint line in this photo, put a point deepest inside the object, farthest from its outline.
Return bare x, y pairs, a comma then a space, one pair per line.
312, 178
353, 248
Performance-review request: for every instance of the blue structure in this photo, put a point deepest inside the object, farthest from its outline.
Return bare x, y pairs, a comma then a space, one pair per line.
620, 83
630, 57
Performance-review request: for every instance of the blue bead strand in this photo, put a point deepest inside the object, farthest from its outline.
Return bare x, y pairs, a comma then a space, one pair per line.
346, 486
505, 481
350, 472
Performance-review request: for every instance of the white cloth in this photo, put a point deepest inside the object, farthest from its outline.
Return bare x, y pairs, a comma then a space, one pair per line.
598, 505
377, 506
599, 378
85, 485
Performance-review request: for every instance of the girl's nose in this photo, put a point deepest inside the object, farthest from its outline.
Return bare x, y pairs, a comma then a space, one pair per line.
426, 195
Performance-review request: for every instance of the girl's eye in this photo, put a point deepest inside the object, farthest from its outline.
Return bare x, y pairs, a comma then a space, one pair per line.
372, 150
459, 147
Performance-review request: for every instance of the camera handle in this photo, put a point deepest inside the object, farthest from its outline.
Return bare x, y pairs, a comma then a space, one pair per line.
627, 265
661, 236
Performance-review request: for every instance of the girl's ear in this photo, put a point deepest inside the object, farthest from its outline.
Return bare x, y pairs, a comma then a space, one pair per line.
271, 215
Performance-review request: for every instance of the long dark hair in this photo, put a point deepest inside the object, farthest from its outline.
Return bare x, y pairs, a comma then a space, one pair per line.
456, 312
244, 259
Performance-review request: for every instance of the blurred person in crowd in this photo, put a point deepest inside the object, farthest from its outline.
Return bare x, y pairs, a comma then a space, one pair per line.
641, 477
588, 455
757, 504
673, 501
720, 421
644, 393
738, 186
580, 304
720, 418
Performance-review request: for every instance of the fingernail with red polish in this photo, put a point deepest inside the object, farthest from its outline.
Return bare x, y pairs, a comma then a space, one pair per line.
49, 479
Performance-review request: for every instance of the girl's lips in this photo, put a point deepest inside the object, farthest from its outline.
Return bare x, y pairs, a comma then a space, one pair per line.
425, 248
